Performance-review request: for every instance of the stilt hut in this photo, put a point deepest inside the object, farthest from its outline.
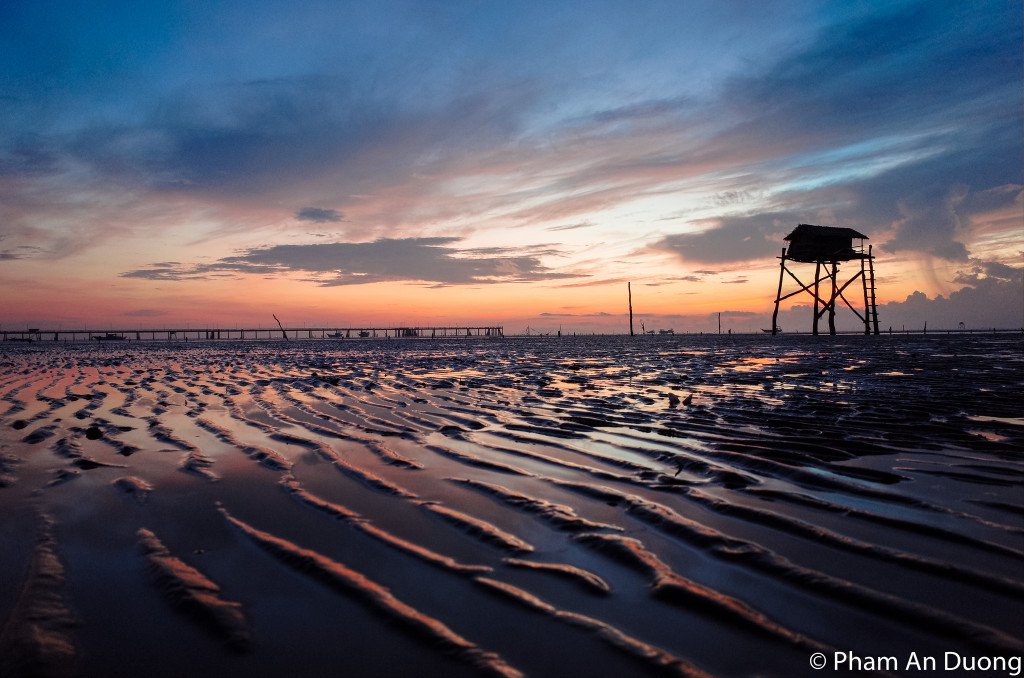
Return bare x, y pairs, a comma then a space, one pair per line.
826, 247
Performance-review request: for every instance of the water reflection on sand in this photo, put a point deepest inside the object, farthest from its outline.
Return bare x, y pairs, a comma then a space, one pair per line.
602, 506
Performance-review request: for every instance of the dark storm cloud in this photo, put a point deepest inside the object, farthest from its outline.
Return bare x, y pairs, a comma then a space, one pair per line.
432, 260
319, 215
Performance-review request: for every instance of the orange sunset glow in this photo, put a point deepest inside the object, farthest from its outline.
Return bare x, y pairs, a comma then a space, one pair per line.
185, 178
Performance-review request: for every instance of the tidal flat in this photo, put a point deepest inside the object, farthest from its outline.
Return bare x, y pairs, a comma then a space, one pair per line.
600, 506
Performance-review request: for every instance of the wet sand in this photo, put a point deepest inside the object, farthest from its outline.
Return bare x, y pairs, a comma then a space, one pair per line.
577, 506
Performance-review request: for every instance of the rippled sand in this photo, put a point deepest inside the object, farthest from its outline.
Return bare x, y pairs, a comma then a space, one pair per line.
584, 506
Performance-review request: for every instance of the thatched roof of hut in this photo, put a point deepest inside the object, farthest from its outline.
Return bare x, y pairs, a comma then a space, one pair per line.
811, 231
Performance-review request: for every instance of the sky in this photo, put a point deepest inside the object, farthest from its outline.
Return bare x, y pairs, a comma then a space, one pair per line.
514, 163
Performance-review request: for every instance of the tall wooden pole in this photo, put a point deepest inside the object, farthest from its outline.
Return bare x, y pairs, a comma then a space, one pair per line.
629, 290
719, 322
283, 333
817, 275
778, 295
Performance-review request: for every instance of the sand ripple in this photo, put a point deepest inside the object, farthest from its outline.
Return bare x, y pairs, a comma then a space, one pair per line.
583, 506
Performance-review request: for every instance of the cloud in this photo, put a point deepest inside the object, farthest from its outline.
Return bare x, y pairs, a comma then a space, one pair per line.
915, 64
981, 271
932, 225
299, 134
234, 150
319, 215
902, 121
144, 313
541, 250
570, 227
731, 239
991, 297
696, 278
896, 123
164, 273
432, 260
600, 314
18, 251
594, 283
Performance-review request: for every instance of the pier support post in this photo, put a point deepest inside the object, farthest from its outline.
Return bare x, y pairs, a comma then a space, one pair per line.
832, 300
817, 297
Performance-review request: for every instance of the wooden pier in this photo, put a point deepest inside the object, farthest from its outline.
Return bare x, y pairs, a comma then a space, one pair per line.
251, 333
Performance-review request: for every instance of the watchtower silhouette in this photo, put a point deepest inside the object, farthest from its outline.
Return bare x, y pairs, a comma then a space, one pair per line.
827, 246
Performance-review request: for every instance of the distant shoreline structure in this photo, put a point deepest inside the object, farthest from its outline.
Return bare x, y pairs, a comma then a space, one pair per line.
253, 333
326, 334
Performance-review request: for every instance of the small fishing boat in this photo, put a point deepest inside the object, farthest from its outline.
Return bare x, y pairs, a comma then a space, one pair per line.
109, 336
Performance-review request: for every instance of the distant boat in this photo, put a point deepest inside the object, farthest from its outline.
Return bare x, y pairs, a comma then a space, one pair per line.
777, 330
336, 335
364, 334
109, 336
